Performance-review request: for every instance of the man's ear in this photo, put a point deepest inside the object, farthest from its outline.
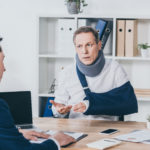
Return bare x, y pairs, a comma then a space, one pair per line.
99, 45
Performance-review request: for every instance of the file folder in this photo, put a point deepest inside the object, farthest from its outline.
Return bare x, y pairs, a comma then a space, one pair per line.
131, 38
100, 27
64, 33
106, 34
48, 108
120, 38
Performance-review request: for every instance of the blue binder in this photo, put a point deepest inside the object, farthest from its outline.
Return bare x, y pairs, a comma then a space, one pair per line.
100, 27
48, 108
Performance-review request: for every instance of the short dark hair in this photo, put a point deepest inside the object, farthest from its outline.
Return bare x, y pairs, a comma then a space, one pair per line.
86, 29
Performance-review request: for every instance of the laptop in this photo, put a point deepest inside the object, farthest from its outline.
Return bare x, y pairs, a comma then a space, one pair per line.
20, 106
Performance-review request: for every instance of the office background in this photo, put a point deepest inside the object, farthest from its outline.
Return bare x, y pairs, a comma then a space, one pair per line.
18, 27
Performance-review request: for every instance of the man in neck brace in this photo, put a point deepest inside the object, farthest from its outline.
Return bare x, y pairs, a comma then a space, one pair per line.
94, 87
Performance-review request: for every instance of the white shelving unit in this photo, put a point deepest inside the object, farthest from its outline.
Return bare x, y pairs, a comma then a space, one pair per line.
56, 50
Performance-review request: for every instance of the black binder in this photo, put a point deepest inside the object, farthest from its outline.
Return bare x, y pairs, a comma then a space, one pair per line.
106, 34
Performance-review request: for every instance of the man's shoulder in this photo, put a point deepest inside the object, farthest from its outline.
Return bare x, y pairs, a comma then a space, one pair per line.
112, 64
114, 67
4, 105
2, 102
117, 71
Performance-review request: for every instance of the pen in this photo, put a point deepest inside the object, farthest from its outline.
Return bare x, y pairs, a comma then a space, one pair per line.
109, 141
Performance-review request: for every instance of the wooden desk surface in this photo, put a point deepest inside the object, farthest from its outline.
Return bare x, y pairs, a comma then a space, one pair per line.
92, 128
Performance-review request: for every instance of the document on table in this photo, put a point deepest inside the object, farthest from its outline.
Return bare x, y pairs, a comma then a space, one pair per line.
104, 143
76, 135
138, 136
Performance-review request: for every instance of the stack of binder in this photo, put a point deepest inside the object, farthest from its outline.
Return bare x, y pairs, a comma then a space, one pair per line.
126, 38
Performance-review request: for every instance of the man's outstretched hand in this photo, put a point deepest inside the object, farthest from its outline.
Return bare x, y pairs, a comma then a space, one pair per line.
80, 107
61, 108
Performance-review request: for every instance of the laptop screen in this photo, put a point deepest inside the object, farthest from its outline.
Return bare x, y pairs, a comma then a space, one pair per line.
19, 103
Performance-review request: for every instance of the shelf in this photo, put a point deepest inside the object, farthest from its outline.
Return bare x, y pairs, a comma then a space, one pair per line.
132, 58
144, 99
108, 57
46, 95
71, 16
55, 56
64, 56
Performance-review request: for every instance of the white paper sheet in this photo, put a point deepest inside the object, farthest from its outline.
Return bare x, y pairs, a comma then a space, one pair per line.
103, 143
138, 136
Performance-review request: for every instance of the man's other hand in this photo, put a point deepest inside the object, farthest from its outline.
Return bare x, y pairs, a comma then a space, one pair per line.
63, 139
80, 107
61, 108
33, 135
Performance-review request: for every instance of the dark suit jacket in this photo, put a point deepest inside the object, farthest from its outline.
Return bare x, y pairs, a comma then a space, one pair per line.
11, 139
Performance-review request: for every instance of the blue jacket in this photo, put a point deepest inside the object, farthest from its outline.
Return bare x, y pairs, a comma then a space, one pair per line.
11, 139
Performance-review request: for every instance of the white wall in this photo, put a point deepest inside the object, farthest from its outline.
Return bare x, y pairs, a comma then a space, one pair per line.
18, 26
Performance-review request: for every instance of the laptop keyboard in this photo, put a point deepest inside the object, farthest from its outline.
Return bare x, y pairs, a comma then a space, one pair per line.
26, 126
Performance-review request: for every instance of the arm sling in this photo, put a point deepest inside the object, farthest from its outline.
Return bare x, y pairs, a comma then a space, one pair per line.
116, 102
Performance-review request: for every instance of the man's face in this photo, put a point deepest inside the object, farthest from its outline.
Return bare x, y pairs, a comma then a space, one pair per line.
2, 68
86, 47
